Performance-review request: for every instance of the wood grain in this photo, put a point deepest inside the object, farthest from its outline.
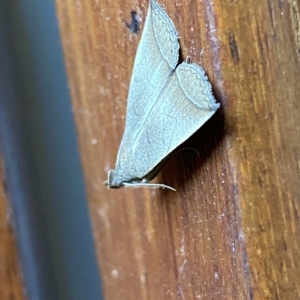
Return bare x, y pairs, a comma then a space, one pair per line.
231, 231
11, 286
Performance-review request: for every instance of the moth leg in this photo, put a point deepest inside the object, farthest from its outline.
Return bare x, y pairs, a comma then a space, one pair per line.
183, 149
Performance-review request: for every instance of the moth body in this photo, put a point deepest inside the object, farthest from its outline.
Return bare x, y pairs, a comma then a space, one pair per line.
167, 103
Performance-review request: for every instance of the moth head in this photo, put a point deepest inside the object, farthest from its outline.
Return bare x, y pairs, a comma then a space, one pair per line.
112, 181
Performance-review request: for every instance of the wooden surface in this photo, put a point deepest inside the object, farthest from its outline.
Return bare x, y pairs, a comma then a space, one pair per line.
11, 286
231, 231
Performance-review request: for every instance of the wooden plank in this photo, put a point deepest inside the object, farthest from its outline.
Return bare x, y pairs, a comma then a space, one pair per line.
231, 230
11, 286
263, 121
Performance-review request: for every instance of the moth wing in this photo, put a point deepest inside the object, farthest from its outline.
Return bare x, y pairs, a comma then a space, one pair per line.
183, 107
156, 59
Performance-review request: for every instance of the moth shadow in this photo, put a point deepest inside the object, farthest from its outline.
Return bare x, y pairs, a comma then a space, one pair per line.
184, 162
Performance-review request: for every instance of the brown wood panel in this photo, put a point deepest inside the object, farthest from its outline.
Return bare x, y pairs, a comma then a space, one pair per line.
231, 231
11, 285
263, 112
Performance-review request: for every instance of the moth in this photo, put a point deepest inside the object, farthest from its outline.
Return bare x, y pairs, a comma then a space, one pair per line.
167, 103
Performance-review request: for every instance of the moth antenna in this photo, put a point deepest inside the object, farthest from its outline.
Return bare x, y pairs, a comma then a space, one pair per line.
148, 185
